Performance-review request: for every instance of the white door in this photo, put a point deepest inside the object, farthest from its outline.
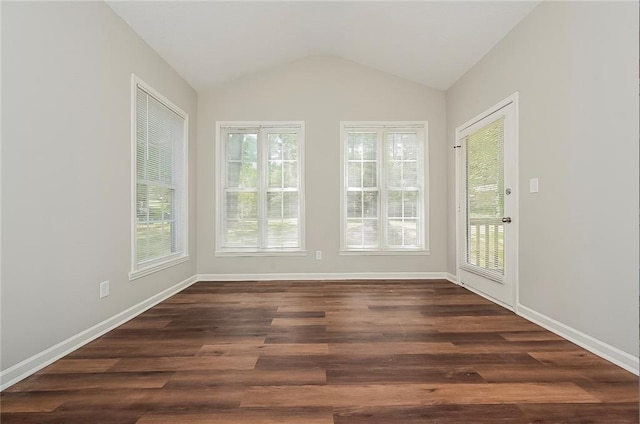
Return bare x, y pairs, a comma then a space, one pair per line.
487, 202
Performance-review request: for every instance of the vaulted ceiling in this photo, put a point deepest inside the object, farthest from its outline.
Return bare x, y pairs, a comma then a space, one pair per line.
430, 42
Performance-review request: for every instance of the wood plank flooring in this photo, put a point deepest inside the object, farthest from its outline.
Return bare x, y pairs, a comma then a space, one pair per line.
339, 352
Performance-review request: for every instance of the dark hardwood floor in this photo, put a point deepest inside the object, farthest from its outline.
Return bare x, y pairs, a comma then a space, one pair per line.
326, 352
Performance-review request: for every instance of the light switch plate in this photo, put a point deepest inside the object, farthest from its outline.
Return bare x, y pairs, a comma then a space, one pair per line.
533, 185
104, 289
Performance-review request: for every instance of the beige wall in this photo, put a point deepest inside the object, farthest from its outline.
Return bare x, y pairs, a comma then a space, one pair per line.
575, 65
66, 170
321, 91
66, 164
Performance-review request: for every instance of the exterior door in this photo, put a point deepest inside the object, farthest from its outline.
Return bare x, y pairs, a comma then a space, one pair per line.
487, 203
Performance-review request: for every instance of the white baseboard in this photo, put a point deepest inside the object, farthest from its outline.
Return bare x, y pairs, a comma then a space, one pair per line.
326, 276
486, 296
40, 360
604, 350
29, 366
453, 278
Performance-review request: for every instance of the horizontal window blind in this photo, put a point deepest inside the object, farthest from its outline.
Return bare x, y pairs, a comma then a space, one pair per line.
262, 191
383, 193
160, 175
485, 197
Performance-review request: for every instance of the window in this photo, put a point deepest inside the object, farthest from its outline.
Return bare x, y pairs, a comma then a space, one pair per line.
160, 180
383, 187
260, 188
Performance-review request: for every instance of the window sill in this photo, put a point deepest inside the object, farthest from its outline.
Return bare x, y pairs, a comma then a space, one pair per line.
143, 272
365, 252
231, 253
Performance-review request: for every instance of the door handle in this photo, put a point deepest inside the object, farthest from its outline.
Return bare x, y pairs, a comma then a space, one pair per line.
506, 219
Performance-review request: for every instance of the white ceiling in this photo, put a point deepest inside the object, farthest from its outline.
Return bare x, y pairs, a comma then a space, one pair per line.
430, 42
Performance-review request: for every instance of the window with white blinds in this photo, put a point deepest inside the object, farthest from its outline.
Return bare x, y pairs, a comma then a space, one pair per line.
260, 187
160, 210
383, 190
484, 184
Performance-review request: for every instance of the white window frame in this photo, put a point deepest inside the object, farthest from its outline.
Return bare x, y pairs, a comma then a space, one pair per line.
145, 268
220, 164
423, 213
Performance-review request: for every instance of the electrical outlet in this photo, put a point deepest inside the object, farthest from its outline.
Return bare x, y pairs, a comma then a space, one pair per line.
318, 254
104, 289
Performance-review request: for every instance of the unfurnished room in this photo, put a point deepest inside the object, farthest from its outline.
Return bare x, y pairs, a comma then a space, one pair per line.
319, 212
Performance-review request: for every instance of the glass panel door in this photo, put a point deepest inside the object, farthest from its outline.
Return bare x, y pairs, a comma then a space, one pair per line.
485, 198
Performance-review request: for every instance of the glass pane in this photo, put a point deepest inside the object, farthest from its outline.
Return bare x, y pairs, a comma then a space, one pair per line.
275, 174
361, 145
370, 232
282, 220
241, 211
291, 205
233, 174
155, 229
410, 204
160, 203
274, 205
354, 148
275, 146
154, 240
394, 146
354, 204
354, 172
394, 232
166, 166
402, 204
242, 233
234, 146
289, 146
153, 162
282, 233
402, 233
409, 146
410, 174
394, 204
410, 232
354, 232
369, 174
142, 202
362, 233
370, 204
394, 174
241, 205
369, 146
242, 160
141, 162
290, 174
485, 197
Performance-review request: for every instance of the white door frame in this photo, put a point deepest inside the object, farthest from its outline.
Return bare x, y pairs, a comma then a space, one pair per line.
512, 258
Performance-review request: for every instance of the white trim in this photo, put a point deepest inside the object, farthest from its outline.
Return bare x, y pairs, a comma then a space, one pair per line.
250, 253
486, 296
424, 237
220, 163
400, 125
143, 272
29, 366
453, 278
22, 370
512, 257
165, 262
593, 345
398, 252
325, 276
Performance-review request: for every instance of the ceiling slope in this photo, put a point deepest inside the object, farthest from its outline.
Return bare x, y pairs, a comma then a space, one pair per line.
433, 43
